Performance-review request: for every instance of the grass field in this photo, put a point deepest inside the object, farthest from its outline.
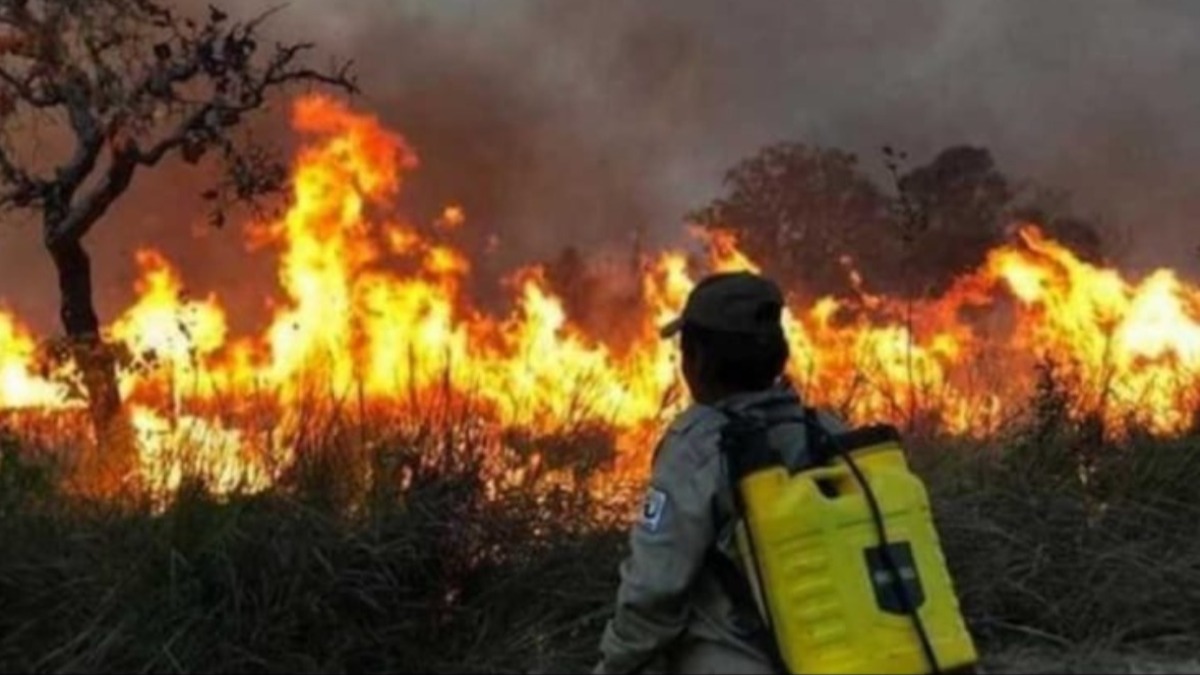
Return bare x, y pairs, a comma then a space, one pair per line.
1056, 574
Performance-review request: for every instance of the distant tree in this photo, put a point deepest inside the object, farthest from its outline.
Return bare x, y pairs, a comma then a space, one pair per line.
1051, 211
1080, 235
962, 199
133, 83
798, 209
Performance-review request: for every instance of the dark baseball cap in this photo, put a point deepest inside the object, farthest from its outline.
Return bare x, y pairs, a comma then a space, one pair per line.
734, 302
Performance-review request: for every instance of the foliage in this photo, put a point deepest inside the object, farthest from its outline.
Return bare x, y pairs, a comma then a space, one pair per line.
24, 483
136, 83
962, 197
799, 209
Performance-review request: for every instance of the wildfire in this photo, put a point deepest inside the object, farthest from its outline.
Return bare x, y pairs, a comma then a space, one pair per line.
373, 308
19, 388
163, 324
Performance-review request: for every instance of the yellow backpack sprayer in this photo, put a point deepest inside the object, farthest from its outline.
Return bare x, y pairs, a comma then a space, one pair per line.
840, 557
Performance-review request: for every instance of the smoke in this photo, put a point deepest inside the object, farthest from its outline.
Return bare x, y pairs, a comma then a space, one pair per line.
558, 123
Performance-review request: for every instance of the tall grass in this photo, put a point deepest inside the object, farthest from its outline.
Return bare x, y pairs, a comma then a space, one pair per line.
438, 578
393, 546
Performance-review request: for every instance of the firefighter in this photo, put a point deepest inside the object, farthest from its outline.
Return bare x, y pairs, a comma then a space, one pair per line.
672, 611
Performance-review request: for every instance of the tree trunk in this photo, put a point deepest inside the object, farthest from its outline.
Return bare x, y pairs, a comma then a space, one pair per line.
110, 469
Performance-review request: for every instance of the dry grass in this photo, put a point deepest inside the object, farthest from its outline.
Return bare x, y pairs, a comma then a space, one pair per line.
339, 569
1084, 660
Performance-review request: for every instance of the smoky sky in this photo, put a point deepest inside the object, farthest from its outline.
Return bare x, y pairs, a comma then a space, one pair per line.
557, 123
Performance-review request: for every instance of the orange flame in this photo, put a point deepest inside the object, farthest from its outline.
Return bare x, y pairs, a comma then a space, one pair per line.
19, 387
375, 307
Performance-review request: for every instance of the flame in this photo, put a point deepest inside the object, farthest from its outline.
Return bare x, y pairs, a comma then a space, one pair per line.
374, 307
163, 324
19, 386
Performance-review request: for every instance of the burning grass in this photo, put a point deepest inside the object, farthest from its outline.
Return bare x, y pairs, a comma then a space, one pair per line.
399, 551
373, 310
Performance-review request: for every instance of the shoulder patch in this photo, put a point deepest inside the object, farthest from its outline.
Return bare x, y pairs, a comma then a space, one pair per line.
652, 509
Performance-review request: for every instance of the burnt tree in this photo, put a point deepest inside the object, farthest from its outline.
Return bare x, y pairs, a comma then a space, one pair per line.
132, 83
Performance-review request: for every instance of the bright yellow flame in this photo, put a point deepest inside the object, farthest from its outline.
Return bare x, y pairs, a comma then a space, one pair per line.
163, 323
19, 387
378, 310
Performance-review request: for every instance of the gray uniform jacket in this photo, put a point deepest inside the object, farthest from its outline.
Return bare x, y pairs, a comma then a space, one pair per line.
672, 614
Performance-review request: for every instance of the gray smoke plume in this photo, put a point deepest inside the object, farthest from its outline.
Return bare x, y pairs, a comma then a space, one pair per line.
560, 123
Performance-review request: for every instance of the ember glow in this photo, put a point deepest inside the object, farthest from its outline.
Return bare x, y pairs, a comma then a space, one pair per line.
372, 308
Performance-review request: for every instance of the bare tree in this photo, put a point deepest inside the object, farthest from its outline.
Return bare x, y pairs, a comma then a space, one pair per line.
133, 83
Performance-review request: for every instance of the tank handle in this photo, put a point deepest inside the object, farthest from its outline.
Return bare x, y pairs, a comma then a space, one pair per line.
833, 481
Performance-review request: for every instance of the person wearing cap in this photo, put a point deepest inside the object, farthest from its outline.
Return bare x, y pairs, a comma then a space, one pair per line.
672, 611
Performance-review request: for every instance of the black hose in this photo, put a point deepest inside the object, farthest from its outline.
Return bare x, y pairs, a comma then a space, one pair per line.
906, 601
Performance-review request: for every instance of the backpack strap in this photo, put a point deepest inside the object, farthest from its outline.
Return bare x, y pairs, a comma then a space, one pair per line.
744, 448
742, 435
821, 447
737, 587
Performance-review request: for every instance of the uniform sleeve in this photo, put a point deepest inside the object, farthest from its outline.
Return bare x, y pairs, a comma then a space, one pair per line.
668, 546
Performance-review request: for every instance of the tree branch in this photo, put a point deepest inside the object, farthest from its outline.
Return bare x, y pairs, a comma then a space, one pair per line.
89, 139
24, 89
218, 115
20, 188
121, 71
341, 78
176, 139
90, 208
